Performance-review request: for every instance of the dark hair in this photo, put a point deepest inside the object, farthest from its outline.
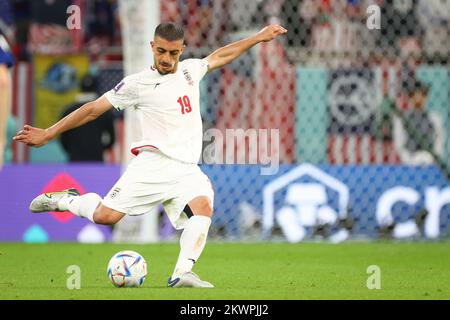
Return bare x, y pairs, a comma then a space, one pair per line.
418, 86
169, 31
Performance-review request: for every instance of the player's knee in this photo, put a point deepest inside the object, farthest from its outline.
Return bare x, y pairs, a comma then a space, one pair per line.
105, 220
202, 207
106, 217
208, 210
101, 219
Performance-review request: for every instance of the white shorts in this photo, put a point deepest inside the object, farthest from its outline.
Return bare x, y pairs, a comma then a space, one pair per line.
152, 179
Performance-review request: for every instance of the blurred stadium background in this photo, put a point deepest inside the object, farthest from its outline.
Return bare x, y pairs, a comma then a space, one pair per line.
362, 115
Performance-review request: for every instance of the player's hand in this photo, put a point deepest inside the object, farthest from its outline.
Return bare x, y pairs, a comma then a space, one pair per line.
32, 137
271, 32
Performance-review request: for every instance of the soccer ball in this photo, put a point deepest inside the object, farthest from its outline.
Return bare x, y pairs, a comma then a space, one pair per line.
127, 269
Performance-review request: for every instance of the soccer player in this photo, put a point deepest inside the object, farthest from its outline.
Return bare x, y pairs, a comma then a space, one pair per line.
165, 169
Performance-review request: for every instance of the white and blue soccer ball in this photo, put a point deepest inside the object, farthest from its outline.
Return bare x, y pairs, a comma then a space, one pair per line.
127, 269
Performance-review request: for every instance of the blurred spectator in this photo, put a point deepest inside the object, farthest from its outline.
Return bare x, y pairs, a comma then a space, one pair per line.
50, 11
298, 18
6, 62
6, 20
208, 24
269, 12
193, 15
196, 17
434, 18
398, 23
418, 133
22, 17
384, 120
219, 22
102, 28
410, 58
242, 14
48, 31
336, 32
90, 141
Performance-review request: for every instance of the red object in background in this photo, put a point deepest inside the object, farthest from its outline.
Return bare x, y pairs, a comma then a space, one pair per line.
170, 11
61, 182
362, 149
325, 6
22, 104
276, 94
265, 101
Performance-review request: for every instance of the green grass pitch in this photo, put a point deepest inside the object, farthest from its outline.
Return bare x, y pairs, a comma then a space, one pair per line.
268, 271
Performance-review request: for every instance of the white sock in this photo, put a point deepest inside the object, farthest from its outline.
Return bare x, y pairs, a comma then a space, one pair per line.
83, 206
192, 242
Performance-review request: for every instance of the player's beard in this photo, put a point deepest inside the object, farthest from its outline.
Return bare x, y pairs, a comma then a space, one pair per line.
165, 71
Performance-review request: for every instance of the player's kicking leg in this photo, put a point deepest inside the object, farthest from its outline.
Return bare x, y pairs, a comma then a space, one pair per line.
192, 243
86, 206
192, 240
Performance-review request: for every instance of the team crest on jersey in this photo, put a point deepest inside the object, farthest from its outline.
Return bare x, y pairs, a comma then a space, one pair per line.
188, 77
114, 193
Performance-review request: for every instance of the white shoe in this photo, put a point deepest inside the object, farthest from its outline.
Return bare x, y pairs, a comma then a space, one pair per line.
48, 202
188, 280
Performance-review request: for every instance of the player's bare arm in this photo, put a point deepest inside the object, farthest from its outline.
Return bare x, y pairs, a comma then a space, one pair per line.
36, 137
226, 54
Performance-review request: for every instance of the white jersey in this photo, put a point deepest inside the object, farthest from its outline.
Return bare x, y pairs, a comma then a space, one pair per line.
168, 109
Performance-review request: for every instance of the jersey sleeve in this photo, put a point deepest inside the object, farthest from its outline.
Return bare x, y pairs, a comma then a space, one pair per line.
124, 94
198, 68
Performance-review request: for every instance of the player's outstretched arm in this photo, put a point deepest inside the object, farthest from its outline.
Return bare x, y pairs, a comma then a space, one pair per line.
36, 137
226, 54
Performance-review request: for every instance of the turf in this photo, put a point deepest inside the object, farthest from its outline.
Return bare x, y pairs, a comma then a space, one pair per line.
274, 271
